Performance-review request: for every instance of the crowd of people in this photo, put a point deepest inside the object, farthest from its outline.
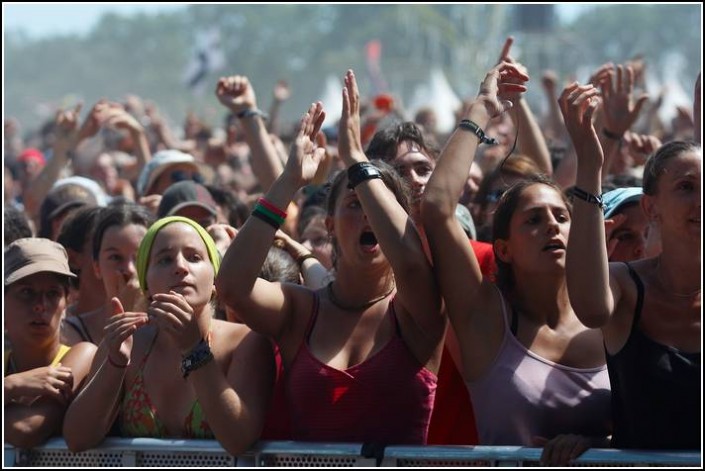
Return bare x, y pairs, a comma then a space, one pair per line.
520, 281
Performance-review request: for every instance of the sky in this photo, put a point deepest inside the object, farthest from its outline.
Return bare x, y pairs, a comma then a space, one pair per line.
46, 20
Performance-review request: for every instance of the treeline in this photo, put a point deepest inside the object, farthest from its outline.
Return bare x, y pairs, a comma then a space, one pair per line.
148, 54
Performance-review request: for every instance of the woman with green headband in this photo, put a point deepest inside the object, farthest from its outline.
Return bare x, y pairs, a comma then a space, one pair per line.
148, 358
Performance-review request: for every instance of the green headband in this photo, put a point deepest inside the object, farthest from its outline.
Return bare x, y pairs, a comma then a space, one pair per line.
148, 241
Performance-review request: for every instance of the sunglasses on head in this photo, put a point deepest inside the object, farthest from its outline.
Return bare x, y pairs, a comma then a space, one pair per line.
181, 175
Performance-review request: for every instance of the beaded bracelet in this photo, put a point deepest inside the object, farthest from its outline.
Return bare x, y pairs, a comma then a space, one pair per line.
196, 358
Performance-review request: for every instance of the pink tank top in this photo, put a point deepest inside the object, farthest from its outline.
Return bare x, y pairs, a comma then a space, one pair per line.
523, 395
386, 399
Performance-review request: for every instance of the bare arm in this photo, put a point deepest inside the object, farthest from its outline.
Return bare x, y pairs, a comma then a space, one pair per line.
619, 111
587, 268
236, 94
281, 94
29, 425
263, 306
455, 264
93, 412
531, 141
236, 405
417, 292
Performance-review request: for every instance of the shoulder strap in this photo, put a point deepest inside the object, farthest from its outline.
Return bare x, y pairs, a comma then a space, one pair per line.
63, 350
313, 316
639, 294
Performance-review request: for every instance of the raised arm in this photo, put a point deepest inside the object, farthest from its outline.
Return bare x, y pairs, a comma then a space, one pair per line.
267, 307
66, 140
236, 94
93, 412
587, 268
455, 263
531, 141
417, 292
282, 92
619, 111
35, 400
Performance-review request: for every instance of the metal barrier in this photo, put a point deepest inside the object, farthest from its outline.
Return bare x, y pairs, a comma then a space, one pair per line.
149, 452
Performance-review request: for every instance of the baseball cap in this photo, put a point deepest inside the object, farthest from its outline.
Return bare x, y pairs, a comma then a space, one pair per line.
28, 256
63, 198
186, 193
32, 154
615, 199
156, 166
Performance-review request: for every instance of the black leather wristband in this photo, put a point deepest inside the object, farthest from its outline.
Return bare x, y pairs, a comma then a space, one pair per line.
360, 172
471, 126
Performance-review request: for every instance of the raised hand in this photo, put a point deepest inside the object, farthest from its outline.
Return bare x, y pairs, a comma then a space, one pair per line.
67, 128
91, 125
502, 84
612, 225
282, 92
119, 330
121, 119
578, 104
175, 317
349, 136
305, 155
641, 146
51, 381
129, 292
620, 108
223, 235
236, 93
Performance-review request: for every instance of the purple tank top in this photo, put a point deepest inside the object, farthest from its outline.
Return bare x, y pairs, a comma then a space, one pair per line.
523, 395
386, 399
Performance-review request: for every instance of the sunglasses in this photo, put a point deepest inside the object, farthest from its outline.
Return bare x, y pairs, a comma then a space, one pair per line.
181, 175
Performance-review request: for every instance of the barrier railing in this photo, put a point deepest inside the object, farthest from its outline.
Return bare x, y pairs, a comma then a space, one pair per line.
149, 452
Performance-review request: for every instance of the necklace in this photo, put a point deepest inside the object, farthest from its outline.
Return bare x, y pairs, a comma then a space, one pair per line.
359, 307
690, 295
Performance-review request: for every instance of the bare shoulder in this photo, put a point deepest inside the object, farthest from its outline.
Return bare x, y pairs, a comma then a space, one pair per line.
80, 354
229, 337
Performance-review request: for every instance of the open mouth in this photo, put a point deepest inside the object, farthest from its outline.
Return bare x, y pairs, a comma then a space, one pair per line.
368, 241
554, 246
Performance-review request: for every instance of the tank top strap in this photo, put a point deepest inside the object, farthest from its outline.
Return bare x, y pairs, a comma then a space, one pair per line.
312, 318
63, 350
505, 310
149, 350
639, 294
393, 317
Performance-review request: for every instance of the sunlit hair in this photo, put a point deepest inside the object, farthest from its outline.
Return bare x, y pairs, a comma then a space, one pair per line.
657, 163
385, 142
501, 223
120, 215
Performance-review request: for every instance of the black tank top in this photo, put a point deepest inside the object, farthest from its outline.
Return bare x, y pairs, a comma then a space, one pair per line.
656, 393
